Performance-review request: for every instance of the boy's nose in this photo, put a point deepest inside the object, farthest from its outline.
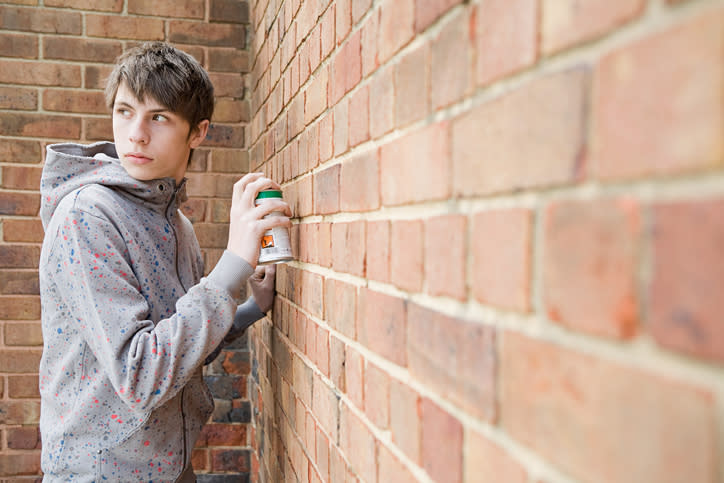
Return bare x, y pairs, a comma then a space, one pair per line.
138, 133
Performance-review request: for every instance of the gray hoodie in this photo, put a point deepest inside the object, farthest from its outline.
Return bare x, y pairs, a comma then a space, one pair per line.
128, 320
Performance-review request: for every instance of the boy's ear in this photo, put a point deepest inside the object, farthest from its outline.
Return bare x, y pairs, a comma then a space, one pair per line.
199, 134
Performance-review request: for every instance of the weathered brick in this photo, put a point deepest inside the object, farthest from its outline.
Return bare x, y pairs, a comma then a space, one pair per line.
22, 230
354, 376
225, 136
68, 48
176, 9
382, 90
684, 302
224, 59
483, 457
20, 361
404, 419
340, 300
377, 261
382, 321
514, 22
19, 464
631, 83
346, 68
343, 19
446, 256
325, 407
397, 18
23, 437
377, 395
74, 101
416, 167
590, 266
450, 66
360, 182
315, 100
22, 204
530, 137
501, 263
438, 425
20, 150
21, 177
428, 11
213, 35
368, 41
326, 190
96, 75
348, 247
101, 5
230, 460
19, 45
119, 27
412, 86
566, 23
407, 256
41, 20
39, 73
359, 116
455, 357
19, 256
98, 129
358, 444
19, 282
19, 99
341, 127
228, 11
553, 399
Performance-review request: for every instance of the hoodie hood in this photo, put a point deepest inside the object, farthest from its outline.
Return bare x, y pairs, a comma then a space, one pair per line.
72, 166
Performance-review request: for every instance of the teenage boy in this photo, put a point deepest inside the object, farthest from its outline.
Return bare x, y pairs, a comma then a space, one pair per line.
128, 317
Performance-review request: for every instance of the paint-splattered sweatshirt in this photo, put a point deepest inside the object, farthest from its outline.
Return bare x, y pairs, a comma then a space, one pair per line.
128, 320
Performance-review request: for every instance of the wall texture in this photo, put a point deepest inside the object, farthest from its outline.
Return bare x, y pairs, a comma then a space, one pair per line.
510, 216
54, 57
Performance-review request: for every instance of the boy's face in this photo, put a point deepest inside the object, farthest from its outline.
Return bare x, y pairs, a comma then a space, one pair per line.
152, 142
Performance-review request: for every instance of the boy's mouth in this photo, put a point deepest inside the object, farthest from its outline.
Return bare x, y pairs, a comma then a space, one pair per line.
137, 158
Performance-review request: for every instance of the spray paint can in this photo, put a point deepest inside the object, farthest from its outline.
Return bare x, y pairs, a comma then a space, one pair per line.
275, 244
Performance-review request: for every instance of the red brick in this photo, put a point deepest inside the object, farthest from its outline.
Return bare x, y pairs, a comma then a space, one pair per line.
501, 262
382, 323
19, 150
450, 66
336, 362
230, 460
321, 357
74, 101
41, 20
18, 464
405, 419
325, 407
354, 376
506, 37
406, 254
19, 256
382, 90
229, 11
360, 182
377, 395
428, 11
316, 96
326, 137
119, 27
631, 82
209, 34
442, 464
19, 45
96, 129
412, 86
327, 31
19, 413
215, 434
225, 59
322, 457
346, 67
324, 240
23, 438
531, 137
326, 191
370, 33
348, 247
67, 48
313, 293
590, 266
397, 19
176, 9
341, 306
483, 457
377, 257
21, 177
565, 24
391, 468
685, 302
553, 399
22, 204
341, 127
343, 13
39, 73
359, 445
446, 256
416, 167
454, 357
96, 75
102, 5
23, 334
359, 116
359, 9
19, 282
23, 361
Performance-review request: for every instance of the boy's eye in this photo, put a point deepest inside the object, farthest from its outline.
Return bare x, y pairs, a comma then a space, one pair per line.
122, 111
159, 117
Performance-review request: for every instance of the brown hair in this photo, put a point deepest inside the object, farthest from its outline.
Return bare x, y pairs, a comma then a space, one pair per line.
171, 77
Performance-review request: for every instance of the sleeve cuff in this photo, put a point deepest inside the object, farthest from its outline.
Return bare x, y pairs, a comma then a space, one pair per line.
231, 272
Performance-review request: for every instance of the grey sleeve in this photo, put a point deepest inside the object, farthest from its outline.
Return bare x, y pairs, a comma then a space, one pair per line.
246, 314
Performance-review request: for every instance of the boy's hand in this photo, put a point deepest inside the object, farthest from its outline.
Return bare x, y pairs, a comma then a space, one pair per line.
262, 286
246, 223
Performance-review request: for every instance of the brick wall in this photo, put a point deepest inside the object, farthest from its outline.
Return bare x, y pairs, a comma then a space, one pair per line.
509, 221
53, 62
